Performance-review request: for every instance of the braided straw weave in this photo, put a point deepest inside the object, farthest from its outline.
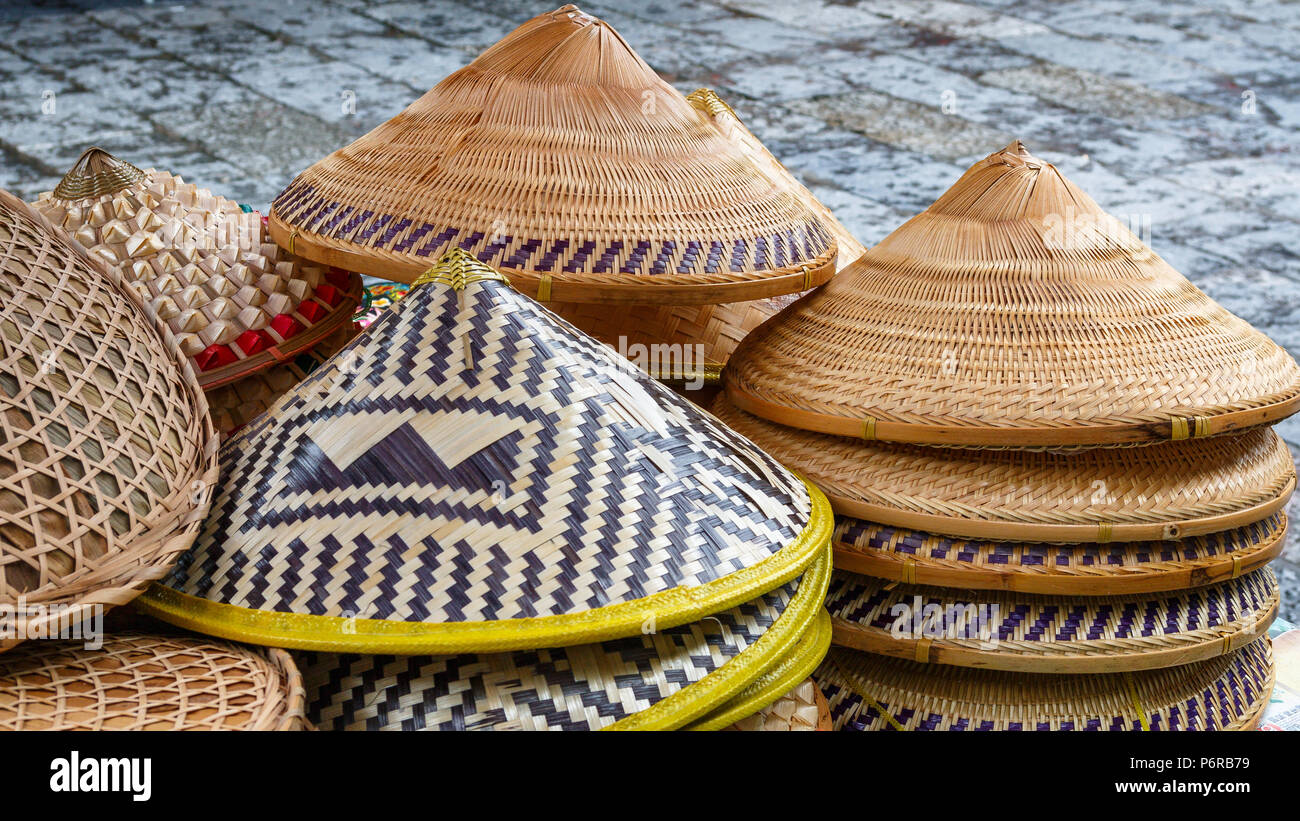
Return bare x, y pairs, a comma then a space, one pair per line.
803, 708
236, 303
558, 154
1166, 491
872, 692
1049, 634
661, 679
235, 404
143, 682
107, 457
1013, 311
472, 474
1072, 569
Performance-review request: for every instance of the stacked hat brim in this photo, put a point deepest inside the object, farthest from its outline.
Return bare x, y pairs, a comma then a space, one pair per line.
235, 303
471, 475
108, 460
137, 681
1022, 414
560, 157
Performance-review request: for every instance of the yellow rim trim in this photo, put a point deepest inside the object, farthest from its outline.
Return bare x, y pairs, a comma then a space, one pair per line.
670, 608
456, 269
776, 682
715, 689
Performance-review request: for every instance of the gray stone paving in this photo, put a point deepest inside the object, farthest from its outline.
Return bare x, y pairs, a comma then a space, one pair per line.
1185, 114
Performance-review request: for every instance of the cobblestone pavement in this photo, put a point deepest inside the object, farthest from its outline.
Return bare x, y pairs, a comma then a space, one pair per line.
1181, 114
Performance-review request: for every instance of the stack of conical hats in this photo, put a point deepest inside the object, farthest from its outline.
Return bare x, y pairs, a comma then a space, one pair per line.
475, 516
1049, 457
559, 157
236, 303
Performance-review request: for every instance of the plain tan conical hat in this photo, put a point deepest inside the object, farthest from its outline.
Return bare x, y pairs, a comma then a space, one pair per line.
1013, 311
236, 303
560, 157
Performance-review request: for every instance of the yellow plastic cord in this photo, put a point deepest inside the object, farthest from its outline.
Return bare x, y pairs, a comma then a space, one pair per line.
1137, 704
865, 696
544, 288
1105, 531
869, 428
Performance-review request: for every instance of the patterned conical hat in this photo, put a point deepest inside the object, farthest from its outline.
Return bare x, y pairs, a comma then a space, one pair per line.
559, 156
872, 692
234, 301
1013, 312
107, 457
721, 668
1049, 634
473, 474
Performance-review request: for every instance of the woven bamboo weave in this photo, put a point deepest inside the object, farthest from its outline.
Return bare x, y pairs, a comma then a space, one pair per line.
235, 302
107, 457
473, 474
872, 692
144, 682
1013, 311
803, 708
1049, 634
1166, 491
1070, 569
661, 679
561, 157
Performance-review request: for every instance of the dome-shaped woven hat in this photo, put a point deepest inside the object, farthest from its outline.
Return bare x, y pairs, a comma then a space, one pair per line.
147, 682
107, 457
473, 474
871, 692
1027, 633
560, 156
1125, 568
1166, 491
1013, 311
722, 668
235, 302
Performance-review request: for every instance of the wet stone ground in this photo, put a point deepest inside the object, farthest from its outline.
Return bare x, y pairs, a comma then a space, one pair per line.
1182, 116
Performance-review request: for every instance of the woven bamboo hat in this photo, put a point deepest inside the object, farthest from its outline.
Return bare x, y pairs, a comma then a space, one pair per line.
558, 154
1026, 633
872, 692
722, 668
234, 301
107, 458
1125, 568
803, 708
1013, 311
1166, 491
235, 404
145, 682
472, 474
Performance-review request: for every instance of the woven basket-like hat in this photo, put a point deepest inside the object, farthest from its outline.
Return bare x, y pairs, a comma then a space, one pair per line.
872, 692
1013, 311
235, 302
473, 474
718, 669
559, 155
1049, 634
1166, 491
144, 682
107, 457
1126, 568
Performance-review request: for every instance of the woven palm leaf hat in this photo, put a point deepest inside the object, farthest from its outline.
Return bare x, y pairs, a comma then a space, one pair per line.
1013, 312
235, 302
108, 460
472, 474
561, 158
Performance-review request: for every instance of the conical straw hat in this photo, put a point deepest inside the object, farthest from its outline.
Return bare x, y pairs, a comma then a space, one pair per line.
560, 156
803, 708
234, 301
661, 679
1026, 633
1013, 311
472, 474
871, 692
107, 457
146, 682
1125, 568
1166, 491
